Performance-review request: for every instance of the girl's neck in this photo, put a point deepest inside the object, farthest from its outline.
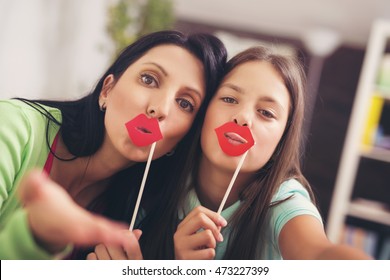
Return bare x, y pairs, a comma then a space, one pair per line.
212, 183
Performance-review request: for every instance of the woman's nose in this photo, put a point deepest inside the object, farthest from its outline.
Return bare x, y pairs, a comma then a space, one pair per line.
159, 107
156, 112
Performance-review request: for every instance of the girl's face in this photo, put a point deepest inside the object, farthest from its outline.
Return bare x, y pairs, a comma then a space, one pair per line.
254, 95
166, 83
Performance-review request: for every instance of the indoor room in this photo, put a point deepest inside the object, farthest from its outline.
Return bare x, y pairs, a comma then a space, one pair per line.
56, 50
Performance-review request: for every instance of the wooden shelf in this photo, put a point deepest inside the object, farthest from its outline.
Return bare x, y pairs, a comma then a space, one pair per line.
369, 210
353, 150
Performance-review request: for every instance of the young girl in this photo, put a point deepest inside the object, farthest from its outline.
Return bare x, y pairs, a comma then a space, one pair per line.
84, 145
270, 212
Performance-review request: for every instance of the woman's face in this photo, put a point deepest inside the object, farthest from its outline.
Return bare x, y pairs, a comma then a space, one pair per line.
166, 83
254, 95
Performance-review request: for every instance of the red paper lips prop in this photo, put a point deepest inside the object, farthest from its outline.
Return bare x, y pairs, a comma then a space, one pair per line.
234, 139
143, 131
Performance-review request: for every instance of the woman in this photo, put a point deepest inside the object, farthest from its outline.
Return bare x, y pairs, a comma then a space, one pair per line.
165, 76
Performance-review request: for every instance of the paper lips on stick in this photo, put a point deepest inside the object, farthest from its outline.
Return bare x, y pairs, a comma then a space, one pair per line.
143, 131
234, 139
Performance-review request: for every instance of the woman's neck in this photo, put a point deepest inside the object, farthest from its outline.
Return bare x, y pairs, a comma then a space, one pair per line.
87, 177
213, 182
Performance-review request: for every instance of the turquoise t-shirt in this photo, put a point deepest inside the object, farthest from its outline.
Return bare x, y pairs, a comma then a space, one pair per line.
298, 204
22, 147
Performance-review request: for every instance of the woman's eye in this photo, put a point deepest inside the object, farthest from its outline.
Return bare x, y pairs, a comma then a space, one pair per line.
267, 114
148, 80
185, 104
229, 100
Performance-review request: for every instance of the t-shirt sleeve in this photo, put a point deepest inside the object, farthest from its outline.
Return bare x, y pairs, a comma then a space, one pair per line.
16, 240
14, 131
298, 204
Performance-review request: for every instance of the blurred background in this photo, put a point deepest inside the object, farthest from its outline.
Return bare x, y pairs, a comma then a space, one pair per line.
58, 49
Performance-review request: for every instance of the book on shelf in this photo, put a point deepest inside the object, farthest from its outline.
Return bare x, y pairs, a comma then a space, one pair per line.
382, 135
384, 252
357, 237
372, 120
384, 74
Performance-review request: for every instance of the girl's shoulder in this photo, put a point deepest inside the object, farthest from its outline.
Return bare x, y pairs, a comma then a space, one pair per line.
290, 187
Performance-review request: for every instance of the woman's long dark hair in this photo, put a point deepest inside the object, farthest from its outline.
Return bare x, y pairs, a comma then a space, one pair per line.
82, 127
256, 197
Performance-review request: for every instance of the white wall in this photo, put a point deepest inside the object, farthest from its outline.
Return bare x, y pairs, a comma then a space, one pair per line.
290, 18
52, 48
59, 48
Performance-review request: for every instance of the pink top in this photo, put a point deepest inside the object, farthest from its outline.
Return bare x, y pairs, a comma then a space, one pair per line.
50, 158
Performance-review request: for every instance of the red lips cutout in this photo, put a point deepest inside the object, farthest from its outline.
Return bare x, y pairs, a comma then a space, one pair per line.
234, 139
143, 131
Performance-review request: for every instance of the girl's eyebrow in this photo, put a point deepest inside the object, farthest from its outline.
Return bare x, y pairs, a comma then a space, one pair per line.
265, 98
272, 100
159, 67
233, 87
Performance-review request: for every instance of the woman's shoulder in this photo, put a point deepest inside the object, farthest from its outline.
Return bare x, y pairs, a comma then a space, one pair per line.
19, 110
27, 121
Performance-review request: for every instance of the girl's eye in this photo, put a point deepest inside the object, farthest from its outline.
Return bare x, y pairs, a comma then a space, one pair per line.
149, 80
267, 114
185, 105
229, 100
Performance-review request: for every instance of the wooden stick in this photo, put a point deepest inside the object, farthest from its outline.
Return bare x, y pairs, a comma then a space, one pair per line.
141, 190
232, 182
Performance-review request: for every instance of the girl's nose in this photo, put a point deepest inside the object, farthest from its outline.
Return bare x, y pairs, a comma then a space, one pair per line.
243, 120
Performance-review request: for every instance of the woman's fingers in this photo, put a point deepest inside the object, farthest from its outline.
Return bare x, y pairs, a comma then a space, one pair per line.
129, 251
101, 252
137, 233
56, 220
110, 252
92, 256
131, 247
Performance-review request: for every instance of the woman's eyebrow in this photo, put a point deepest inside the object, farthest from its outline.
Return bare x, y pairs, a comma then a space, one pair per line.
194, 91
166, 75
159, 67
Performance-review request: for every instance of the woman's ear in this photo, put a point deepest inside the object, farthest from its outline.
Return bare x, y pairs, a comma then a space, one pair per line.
108, 84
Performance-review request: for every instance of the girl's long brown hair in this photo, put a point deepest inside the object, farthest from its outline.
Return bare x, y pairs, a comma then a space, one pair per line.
284, 164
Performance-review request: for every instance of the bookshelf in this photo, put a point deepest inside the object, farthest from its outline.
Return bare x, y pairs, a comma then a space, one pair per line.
366, 141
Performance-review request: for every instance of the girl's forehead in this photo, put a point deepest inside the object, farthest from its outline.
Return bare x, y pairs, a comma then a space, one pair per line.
254, 71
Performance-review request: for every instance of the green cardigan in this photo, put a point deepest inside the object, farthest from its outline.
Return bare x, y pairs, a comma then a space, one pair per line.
23, 147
